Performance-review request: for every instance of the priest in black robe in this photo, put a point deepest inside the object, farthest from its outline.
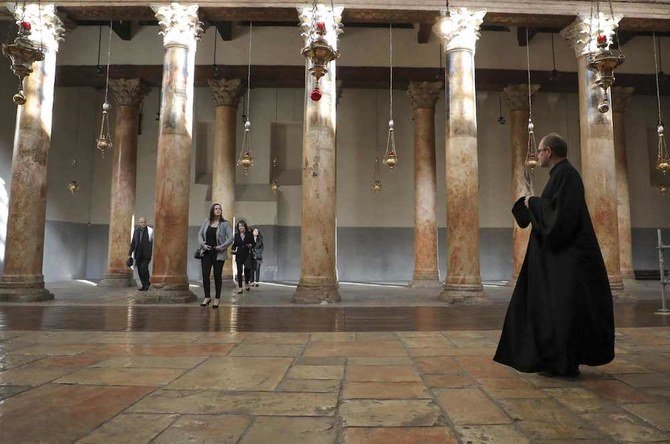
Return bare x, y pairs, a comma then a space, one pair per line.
561, 313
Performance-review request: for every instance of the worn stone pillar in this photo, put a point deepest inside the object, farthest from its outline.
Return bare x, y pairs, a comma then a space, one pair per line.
128, 95
459, 33
422, 96
516, 100
318, 273
597, 146
24, 243
226, 95
621, 98
181, 29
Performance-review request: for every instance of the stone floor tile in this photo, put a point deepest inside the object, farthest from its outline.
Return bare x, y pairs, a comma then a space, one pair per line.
625, 427
505, 383
388, 360
237, 374
221, 338
51, 349
267, 350
657, 415
547, 419
129, 428
485, 367
377, 336
321, 361
277, 338
309, 385
622, 366
659, 394
333, 336
385, 373
116, 350
544, 381
202, 402
316, 372
7, 391
71, 412
515, 393
655, 380
65, 362
355, 349
498, 434
282, 430
617, 391
384, 390
389, 413
204, 429
9, 361
395, 435
449, 381
434, 342
441, 351
31, 376
436, 365
581, 400
121, 376
469, 406
184, 362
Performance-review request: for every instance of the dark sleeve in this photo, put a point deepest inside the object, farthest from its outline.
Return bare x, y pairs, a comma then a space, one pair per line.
259, 246
556, 217
132, 243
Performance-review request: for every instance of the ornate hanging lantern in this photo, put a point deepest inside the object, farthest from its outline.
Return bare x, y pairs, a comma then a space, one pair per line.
376, 180
246, 159
73, 187
23, 52
663, 189
603, 61
104, 140
318, 50
274, 185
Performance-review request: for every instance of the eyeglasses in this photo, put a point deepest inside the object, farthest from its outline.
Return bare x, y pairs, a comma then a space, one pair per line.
541, 149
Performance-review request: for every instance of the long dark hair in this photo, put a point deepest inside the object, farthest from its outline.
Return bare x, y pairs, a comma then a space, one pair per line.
243, 222
212, 216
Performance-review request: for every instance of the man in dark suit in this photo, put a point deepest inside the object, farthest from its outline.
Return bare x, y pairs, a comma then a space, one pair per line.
141, 248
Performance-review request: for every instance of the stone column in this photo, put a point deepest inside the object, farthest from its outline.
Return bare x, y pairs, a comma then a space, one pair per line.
597, 146
226, 95
516, 100
459, 33
128, 95
181, 29
621, 98
318, 274
24, 241
422, 96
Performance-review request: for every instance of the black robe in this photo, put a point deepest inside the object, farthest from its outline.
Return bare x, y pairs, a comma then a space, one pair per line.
561, 312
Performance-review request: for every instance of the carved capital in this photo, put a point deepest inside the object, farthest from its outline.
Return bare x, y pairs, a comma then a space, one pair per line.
423, 94
128, 92
331, 18
516, 96
226, 92
460, 29
180, 25
621, 98
581, 34
46, 28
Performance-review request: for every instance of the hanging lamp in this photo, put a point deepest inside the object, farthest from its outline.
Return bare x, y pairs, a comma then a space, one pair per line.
531, 160
104, 140
390, 156
23, 51
603, 61
318, 50
246, 159
662, 155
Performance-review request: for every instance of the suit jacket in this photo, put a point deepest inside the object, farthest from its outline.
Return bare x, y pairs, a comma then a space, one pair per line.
242, 250
144, 249
224, 237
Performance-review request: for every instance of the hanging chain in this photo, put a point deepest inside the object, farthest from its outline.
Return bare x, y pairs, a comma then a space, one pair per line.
109, 55
251, 28
616, 29
588, 40
530, 101
658, 85
215, 39
99, 43
390, 71
553, 52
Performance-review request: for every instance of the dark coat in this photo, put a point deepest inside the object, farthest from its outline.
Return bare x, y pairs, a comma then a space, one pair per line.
561, 311
243, 247
143, 249
258, 248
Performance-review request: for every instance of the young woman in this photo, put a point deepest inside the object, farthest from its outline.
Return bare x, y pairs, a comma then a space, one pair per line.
258, 257
242, 245
214, 237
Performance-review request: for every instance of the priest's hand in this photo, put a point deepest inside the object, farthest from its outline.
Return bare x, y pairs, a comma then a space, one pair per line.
525, 201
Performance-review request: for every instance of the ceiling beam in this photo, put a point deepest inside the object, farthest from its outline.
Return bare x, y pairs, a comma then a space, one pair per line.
521, 35
225, 30
125, 29
425, 30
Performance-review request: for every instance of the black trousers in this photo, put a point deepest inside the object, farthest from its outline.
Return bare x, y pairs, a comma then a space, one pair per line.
256, 271
143, 271
208, 262
241, 263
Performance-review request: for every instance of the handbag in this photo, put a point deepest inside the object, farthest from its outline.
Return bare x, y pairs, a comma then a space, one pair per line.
129, 261
198, 253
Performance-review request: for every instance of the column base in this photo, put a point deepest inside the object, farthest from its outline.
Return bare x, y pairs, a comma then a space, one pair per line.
627, 274
25, 294
426, 282
467, 294
316, 294
166, 294
117, 280
616, 284
622, 296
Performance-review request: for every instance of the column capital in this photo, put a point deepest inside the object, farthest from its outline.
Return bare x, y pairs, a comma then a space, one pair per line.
423, 94
459, 29
226, 92
581, 34
515, 96
621, 98
331, 18
128, 92
180, 24
46, 28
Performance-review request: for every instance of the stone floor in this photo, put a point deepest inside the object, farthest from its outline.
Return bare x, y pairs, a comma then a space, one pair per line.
140, 383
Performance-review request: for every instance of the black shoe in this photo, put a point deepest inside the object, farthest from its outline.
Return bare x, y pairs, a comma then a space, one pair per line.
206, 302
142, 289
216, 303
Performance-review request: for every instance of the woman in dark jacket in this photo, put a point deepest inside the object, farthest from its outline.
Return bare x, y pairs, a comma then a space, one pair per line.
258, 257
242, 246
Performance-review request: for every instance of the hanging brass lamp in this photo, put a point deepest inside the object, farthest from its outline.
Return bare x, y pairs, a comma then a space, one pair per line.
318, 51
23, 53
